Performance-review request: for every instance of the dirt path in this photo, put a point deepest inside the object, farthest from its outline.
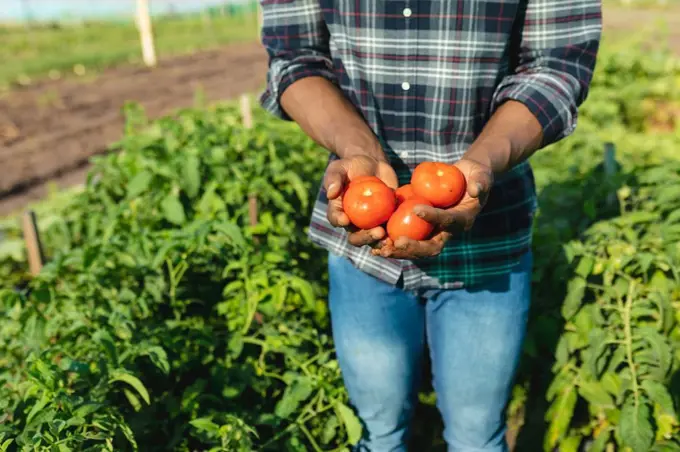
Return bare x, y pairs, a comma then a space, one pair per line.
623, 21
48, 132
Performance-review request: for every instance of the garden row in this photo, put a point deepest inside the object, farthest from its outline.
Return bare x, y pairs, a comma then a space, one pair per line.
166, 319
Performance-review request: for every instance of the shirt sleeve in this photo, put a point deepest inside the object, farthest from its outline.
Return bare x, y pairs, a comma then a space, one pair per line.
297, 42
557, 52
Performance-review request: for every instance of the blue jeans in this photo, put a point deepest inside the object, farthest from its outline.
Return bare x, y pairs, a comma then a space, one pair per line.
475, 340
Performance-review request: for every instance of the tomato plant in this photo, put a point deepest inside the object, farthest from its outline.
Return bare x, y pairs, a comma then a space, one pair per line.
160, 323
440, 183
368, 202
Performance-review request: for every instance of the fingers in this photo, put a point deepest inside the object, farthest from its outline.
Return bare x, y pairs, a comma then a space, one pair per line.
335, 179
479, 183
405, 248
438, 217
386, 173
336, 215
366, 236
452, 220
334, 184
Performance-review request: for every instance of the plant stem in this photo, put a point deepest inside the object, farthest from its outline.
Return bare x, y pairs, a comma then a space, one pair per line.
310, 438
629, 341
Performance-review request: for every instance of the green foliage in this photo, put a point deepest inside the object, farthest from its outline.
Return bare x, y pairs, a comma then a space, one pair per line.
607, 276
36, 52
163, 313
617, 349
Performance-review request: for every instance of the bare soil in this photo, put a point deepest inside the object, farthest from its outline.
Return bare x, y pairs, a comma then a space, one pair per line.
49, 131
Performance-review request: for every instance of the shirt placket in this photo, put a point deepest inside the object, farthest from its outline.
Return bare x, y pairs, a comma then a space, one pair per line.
410, 90
409, 84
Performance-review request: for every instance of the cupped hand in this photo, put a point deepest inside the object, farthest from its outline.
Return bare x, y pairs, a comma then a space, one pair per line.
338, 175
447, 222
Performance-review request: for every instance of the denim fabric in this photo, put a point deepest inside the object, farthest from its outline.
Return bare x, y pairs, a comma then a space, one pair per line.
474, 336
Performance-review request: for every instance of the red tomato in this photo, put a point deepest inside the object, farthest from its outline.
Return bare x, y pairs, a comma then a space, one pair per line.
365, 178
441, 184
368, 202
405, 223
404, 192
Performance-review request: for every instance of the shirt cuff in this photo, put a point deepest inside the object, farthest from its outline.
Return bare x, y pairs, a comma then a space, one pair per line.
547, 96
284, 73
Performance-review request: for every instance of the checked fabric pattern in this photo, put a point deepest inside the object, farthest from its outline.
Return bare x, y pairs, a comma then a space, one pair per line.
426, 75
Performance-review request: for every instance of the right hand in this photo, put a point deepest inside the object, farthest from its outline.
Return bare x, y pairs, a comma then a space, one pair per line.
339, 173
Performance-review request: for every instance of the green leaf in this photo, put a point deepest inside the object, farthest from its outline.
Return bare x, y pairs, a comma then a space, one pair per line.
129, 435
630, 219
75, 422
274, 258
669, 446
206, 424
235, 345
139, 184
611, 382
159, 358
296, 393
132, 398
173, 210
570, 444
585, 266
12, 249
37, 407
635, 427
305, 289
562, 351
105, 339
192, 175
659, 394
575, 291
5, 445
299, 187
668, 194
232, 232
560, 414
641, 312
132, 381
351, 422
329, 430
660, 348
86, 409
595, 394
598, 346
600, 443
620, 288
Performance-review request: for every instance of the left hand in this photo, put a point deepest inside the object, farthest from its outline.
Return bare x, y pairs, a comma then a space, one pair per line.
461, 217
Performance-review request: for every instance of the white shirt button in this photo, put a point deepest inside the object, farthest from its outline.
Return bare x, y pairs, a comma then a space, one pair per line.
405, 86
403, 154
407, 12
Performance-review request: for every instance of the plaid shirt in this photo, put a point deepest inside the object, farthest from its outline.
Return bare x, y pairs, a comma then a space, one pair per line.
426, 75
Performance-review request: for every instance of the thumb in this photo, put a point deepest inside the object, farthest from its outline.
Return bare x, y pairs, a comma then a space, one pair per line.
479, 183
335, 179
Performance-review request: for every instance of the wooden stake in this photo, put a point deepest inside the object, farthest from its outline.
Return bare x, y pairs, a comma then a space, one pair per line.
34, 251
252, 209
146, 33
247, 115
246, 112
